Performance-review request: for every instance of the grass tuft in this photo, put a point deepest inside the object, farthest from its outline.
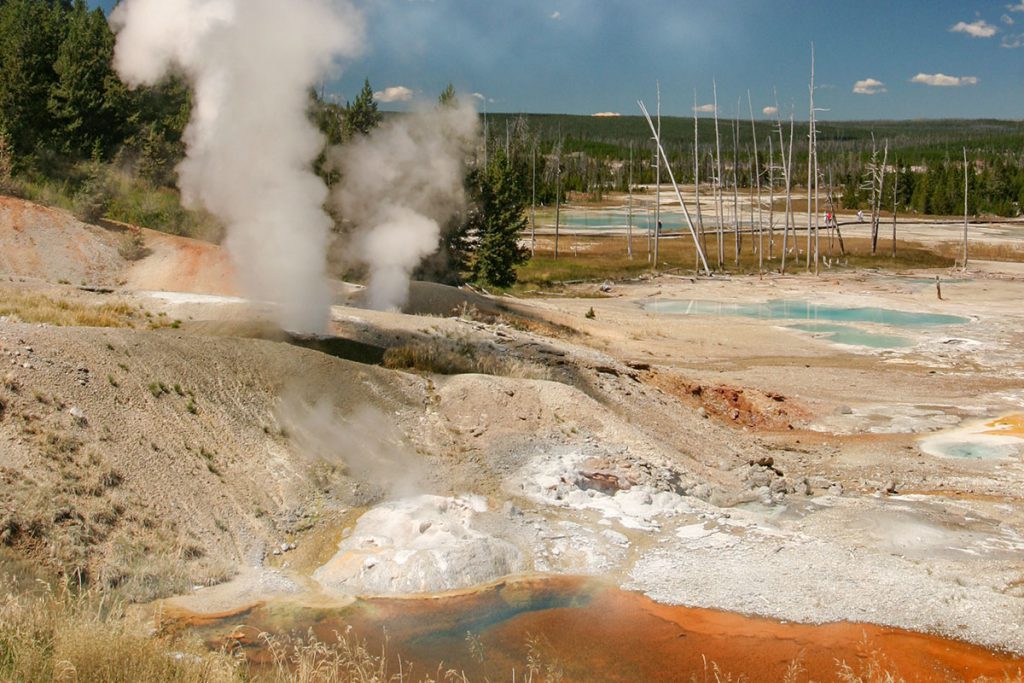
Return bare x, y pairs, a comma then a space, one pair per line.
39, 308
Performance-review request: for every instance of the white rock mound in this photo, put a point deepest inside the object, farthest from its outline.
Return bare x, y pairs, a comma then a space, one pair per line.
424, 544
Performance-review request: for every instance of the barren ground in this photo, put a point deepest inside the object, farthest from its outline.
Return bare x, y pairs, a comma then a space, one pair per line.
711, 461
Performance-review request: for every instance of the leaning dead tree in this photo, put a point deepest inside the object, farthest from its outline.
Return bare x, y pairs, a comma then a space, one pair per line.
830, 198
696, 176
679, 196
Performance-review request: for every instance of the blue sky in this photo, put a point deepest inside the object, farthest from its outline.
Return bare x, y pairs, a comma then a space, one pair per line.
587, 56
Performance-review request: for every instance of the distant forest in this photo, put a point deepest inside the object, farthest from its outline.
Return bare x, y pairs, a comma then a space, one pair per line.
72, 134
595, 154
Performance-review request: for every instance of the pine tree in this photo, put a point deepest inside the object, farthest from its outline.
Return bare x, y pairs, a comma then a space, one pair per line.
87, 101
361, 116
30, 32
498, 222
447, 98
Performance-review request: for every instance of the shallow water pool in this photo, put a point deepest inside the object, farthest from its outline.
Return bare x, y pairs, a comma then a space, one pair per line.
586, 630
973, 450
844, 334
805, 310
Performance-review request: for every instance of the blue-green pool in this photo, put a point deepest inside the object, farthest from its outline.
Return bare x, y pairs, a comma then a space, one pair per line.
822, 319
616, 220
975, 450
844, 334
805, 310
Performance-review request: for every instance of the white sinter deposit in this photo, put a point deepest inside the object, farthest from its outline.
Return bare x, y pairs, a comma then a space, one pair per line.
424, 544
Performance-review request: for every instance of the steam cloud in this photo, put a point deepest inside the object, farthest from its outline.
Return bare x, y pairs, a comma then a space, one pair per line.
399, 185
365, 442
251, 64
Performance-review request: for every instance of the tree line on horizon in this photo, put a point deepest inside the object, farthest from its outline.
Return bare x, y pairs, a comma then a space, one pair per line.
595, 154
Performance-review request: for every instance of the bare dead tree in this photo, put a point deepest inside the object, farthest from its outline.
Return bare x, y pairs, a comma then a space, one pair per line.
877, 208
895, 204
657, 184
629, 211
757, 182
965, 209
771, 198
789, 196
696, 176
718, 183
736, 178
810, 160
675, 187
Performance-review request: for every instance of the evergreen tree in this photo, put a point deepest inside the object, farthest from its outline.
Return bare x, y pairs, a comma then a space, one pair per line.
447, 98
87, 102
30, 32
361, 116
497, 222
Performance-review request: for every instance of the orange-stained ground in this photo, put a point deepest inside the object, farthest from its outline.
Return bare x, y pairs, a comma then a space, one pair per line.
592, 632
1008, 425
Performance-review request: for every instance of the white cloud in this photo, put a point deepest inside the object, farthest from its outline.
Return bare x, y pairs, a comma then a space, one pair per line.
1013, 40
944, 81
869, 86
975, 29
770, 111
396, 93
1019, 7
479, 96
705, 109
1006, 19
556, 15
607, 114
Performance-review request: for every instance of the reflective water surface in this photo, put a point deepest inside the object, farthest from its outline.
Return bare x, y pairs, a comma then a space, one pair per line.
590, 631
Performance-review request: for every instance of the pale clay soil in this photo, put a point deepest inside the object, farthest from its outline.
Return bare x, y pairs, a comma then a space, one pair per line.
717, 462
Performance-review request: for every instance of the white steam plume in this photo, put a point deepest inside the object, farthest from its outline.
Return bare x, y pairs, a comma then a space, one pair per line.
365, 442
399, 185
251, 64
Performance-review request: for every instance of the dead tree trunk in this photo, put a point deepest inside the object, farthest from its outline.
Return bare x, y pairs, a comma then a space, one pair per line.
736, 178
965, 209
718, 184
877, 213
895, 205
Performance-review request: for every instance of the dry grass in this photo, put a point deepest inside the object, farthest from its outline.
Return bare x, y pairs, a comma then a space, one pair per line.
47, 635
595, 258
39, 308
74, 518
458, 356
983, 251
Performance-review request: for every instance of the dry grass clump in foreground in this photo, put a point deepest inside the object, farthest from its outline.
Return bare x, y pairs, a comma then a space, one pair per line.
46, 636
40, 308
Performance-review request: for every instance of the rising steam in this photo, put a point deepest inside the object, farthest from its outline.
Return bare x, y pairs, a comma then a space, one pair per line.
251, 64
400, 184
